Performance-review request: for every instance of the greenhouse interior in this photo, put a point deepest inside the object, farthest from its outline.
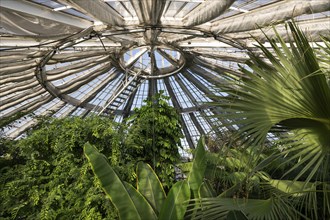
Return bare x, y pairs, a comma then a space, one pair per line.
165, 109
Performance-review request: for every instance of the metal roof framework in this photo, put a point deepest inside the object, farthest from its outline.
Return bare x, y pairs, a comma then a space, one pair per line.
82, 57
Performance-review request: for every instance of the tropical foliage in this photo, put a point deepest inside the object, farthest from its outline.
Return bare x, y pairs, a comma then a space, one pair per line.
154, 136
148, 200
46, 176
285, 94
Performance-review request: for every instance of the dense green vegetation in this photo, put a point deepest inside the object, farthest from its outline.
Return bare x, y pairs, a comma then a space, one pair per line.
69, 168
154, 135
46, 175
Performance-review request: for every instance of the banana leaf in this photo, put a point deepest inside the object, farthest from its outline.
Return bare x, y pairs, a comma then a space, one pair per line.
129, 203
149, 186
176, 202
143, 207
196, 174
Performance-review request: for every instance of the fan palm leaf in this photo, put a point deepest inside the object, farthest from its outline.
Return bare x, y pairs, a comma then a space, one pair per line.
286, 93
255, 209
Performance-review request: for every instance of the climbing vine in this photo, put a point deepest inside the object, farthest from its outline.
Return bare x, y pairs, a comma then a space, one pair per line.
154, 136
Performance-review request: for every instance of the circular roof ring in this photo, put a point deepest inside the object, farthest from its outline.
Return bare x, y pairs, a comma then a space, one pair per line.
152, 62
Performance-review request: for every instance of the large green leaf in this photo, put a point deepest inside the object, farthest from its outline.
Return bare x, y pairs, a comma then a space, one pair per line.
149, 186
142, 205
196, 174
289, 89
176, 202
116, 190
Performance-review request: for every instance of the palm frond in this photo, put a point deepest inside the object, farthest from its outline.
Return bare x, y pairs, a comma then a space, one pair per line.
254, 209
288, 85
286, 92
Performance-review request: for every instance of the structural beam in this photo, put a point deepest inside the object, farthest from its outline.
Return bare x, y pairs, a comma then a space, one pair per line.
152, 90
207, 92
198, 106
97, 89
217, 68
196, 123
131, 61
177, 106
203, 43
199, 85
94, 92
225, 56
127, 109
216, 80
186, 90
168, 57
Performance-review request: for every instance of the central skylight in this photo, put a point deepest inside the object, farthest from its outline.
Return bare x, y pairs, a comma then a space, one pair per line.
152, 61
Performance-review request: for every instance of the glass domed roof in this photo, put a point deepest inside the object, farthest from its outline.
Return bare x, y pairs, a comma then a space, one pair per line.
82, 57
